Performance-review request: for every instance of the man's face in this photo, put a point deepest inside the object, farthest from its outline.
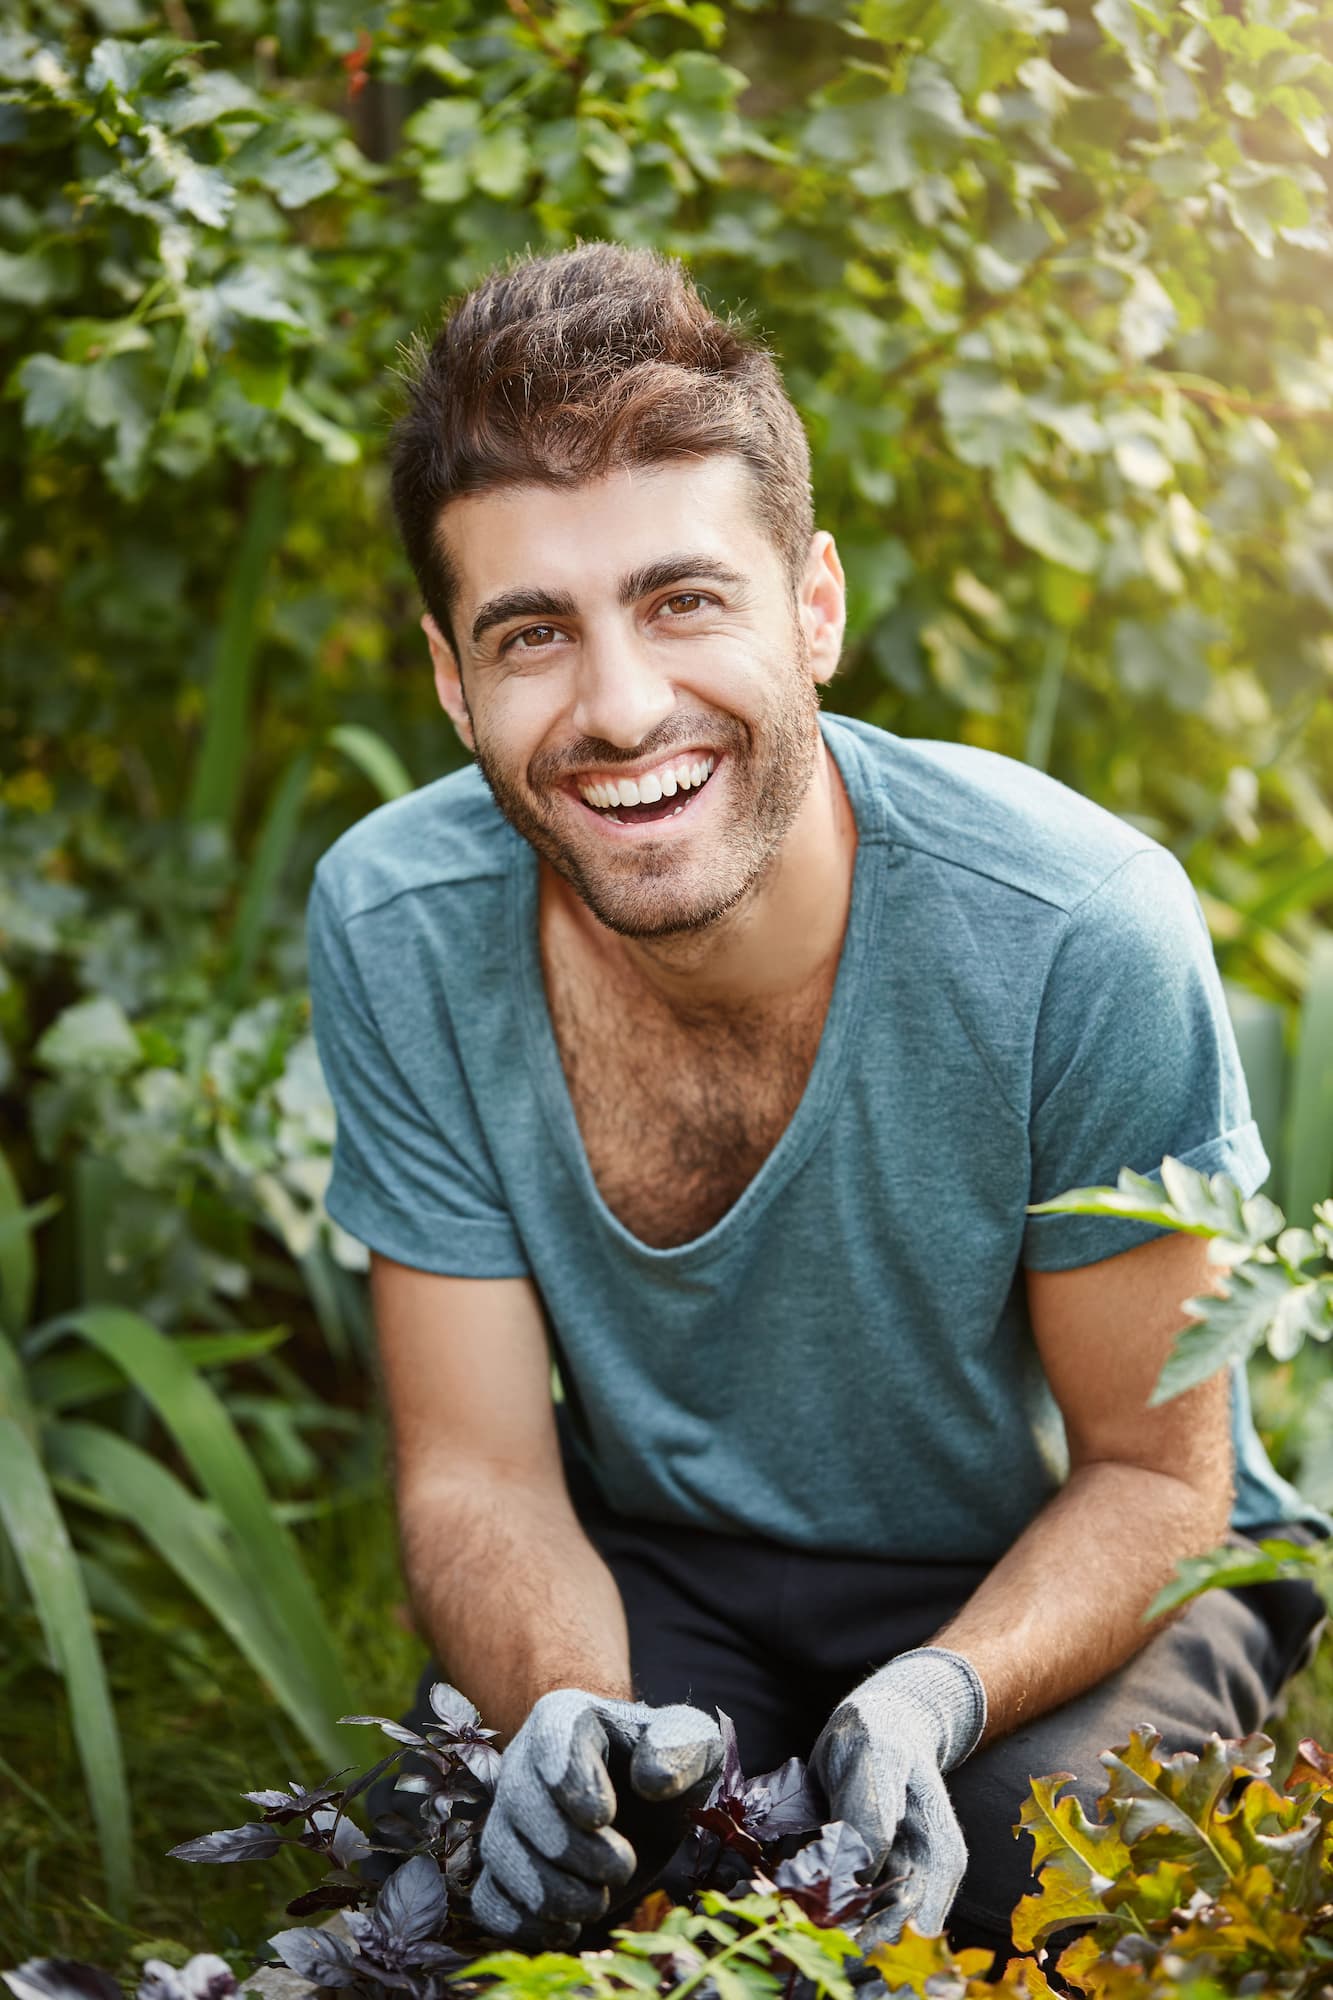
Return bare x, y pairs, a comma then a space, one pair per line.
638, 681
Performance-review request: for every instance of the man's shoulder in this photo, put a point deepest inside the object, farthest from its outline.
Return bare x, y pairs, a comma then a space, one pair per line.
993, 818
448, 833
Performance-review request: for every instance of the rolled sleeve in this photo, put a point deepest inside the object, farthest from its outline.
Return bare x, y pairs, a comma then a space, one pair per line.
412, 1183
1135, 1059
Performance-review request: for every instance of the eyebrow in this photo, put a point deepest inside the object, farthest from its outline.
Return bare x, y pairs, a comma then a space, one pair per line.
636, 583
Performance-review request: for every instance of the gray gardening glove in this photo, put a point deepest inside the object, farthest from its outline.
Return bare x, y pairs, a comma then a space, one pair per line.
882, 1757
551, 1859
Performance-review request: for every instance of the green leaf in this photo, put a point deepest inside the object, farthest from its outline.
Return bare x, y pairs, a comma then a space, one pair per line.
224, 752
40, 1541
1228, 1328
211, 1445
1231, 1568
339, 446
185, 1534
1076, 1860
276, 838
93, 1035
374, 758
1178, 1796
500, 162
1043, 523
18, 1264
67, 1378
1307, 1175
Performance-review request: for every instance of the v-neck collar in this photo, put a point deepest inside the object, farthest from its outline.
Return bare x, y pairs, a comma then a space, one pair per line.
828, 1073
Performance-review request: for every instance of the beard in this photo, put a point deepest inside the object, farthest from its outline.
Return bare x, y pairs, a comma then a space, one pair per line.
654, 889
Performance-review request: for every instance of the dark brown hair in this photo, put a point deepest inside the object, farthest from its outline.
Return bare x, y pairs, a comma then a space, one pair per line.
558, 369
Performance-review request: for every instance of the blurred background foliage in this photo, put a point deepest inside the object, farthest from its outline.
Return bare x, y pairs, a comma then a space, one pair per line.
1050, 288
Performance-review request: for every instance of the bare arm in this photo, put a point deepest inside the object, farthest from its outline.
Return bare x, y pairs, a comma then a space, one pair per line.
1064, 1607
507, 1587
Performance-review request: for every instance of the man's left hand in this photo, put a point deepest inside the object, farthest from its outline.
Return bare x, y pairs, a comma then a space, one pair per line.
882, 1757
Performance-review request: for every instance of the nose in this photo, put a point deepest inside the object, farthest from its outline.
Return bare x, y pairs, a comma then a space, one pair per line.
621, 692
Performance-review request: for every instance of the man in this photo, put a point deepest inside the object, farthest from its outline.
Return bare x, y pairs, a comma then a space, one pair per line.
720, 1046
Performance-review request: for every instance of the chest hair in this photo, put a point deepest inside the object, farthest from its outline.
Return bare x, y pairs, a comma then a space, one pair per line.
678, 1114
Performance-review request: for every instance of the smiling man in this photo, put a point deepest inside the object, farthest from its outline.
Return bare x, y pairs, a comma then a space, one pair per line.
719, 1046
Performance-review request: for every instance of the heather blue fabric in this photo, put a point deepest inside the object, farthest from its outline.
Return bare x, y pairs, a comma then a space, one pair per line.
1026, 1001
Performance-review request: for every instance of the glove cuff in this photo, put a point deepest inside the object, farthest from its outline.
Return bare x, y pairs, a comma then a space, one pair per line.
949, 1688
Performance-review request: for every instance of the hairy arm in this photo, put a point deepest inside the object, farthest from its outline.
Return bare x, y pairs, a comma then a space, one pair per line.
1064, 1606
506, 1586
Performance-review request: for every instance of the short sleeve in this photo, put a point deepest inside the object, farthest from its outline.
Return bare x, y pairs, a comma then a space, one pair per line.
417, 1187
1135, 1059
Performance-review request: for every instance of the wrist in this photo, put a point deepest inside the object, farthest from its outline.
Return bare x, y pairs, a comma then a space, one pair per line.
944, 1688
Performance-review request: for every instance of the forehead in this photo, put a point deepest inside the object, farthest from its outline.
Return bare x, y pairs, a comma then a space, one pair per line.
583, 539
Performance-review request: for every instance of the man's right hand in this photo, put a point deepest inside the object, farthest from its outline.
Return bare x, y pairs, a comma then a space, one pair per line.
551, 1858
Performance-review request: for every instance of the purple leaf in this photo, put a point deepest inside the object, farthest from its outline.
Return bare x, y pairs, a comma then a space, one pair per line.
252, 1842
731, 1778
318, 1955
328, 1896
60, 1979
453, 1707
794, 1806
824, 1877
413, 1903
397, 1730
483, 1760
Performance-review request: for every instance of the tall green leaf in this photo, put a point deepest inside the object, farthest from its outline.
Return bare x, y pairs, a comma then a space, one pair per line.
18, 1264
222, 755
271, 851
374, 758
69, 1377
1308, 1174
216, 1453
36, 1531
185, 1534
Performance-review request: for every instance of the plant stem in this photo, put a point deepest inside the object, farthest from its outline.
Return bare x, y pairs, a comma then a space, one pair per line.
705, 1971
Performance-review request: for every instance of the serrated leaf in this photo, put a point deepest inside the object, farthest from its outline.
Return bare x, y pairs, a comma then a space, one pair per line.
1178, 1796
1227, 1328
1074, 1857
913, 1960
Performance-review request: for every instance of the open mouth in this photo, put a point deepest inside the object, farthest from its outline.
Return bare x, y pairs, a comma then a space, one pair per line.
661, 794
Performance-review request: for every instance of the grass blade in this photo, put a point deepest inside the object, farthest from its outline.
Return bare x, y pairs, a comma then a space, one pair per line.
18, 1262
276, 838
224, 751
1308, 1165
216, 1454
374, 758
185, 1534
37, 1533
64, 1380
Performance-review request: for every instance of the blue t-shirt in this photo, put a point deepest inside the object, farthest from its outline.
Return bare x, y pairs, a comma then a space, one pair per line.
1026, 1001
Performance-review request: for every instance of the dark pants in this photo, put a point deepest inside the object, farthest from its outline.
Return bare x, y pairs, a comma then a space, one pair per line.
775, 1637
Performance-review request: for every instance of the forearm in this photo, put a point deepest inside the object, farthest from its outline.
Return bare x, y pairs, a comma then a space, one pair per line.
512, 1596
1064, 1607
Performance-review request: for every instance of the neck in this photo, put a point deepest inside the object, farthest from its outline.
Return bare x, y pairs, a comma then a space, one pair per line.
783, 933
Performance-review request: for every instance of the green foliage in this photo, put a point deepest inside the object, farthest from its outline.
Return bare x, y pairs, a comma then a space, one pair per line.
1049, 291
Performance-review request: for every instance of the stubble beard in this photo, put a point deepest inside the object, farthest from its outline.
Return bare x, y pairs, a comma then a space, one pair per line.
768, 769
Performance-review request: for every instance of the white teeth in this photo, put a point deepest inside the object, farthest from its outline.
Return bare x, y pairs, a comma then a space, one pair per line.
606, 794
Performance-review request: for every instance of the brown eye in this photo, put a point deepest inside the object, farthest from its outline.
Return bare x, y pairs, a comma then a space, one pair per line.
692, 599
526, 634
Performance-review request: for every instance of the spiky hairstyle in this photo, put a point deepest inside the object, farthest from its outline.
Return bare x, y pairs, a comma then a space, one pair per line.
558, 369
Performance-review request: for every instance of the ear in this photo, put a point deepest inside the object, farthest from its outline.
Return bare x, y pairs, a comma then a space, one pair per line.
822, 606
448, 680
